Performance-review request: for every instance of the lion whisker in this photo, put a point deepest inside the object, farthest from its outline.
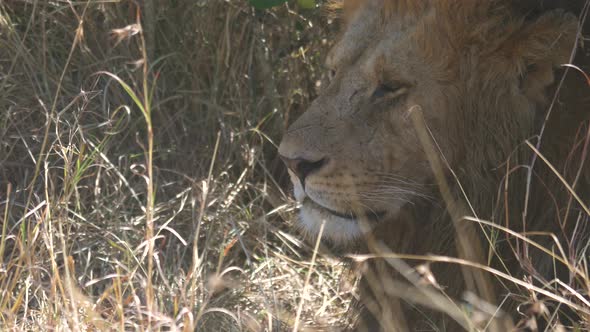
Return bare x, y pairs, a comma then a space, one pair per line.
399, 191
386, 199
368, 208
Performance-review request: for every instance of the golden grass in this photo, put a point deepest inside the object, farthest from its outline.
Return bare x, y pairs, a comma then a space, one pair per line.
139, 184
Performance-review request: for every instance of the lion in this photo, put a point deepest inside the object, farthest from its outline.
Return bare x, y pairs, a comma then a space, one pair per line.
483, 77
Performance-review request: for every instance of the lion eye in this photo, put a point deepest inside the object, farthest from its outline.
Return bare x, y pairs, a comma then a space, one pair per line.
389, 91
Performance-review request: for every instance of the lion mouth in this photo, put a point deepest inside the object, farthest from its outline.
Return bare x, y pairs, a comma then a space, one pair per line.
372, 216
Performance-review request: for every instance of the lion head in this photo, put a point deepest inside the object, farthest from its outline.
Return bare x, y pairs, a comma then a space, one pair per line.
479, 71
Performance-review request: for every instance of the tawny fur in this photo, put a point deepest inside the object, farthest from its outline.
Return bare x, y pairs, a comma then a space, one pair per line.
484, 74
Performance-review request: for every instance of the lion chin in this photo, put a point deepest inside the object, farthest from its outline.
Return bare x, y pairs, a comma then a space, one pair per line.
338, 229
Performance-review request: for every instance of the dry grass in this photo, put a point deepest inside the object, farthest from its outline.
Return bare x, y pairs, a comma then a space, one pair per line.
139, 184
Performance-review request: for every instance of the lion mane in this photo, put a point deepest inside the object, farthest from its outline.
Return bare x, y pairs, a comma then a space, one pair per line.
505, 113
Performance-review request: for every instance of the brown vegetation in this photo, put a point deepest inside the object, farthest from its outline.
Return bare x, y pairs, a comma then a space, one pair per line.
139, 183
127, 131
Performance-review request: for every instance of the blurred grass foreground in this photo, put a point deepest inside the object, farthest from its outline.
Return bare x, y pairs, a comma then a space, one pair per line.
140, 187
131, 130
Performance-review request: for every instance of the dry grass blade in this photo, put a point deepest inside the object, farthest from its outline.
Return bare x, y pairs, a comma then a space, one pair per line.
469, 247
481, 267
569, 188
562, 259
308, 276
5, 221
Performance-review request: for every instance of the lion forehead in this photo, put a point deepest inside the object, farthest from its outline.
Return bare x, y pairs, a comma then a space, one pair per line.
387, 41
360, 33
444, 36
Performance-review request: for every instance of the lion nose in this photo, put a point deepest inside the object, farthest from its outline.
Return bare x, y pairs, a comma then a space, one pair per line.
302, 167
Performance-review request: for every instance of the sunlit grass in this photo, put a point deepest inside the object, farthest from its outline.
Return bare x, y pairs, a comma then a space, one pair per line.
139, 184
135, 194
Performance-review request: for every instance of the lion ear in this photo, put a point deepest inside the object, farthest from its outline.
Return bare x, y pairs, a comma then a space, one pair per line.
541, 46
